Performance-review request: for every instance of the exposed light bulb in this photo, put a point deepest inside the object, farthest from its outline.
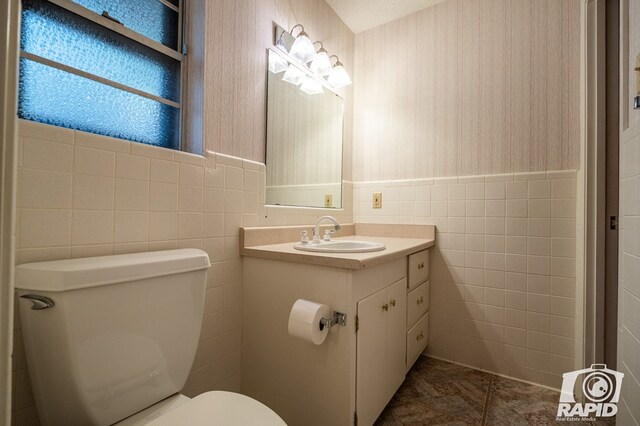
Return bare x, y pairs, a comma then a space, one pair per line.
311, 86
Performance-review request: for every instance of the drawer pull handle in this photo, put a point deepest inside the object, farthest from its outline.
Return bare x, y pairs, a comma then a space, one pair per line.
419, 301
393, 302
420, 336
420, 265
385, 307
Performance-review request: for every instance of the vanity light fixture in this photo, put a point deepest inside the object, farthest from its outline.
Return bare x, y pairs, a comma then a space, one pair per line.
311, 86
338, 77
304, 60
321, 64
302, 49
294, 75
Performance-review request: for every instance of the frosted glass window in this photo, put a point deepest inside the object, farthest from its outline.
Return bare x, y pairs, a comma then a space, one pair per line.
150, 18
52, 96
75, 73
53, 33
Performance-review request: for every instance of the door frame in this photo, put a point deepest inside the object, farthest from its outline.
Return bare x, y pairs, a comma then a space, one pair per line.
9, 15
591, 218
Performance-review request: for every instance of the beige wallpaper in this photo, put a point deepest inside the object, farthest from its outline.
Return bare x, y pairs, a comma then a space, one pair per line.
236, 35
469, 87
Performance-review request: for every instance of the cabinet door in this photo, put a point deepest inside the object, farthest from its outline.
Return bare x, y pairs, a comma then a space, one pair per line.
396, 336
371, 357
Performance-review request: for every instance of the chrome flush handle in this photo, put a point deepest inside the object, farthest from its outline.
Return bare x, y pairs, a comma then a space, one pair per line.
39, 302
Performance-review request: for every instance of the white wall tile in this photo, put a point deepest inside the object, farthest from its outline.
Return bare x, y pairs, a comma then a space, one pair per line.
539, 209
163, 226
163, 197
516, 208
190, 198
94, 162
131, 194
517, 190
44, 190
495, 208
45, 228
163, 171
132, 167
42, 155
130, 227
190, 174
540, 189
457, 191
93, 192
92, 227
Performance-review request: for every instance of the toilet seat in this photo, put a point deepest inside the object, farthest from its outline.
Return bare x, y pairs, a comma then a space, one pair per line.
219, 408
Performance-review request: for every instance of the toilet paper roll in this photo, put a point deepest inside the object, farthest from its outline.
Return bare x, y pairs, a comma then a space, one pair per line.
304, 321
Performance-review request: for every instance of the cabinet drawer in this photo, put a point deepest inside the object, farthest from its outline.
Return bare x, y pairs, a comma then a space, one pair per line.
417, 338
417, 303
418, 268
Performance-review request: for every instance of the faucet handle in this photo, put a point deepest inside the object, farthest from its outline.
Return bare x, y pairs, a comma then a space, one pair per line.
304, 237
327, 234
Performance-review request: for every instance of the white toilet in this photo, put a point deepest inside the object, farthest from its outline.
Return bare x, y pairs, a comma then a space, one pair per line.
111, 340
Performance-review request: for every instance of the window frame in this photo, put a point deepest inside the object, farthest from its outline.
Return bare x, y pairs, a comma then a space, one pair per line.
178, 54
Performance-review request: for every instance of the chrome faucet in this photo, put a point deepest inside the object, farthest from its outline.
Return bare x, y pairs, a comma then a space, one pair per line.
316, 229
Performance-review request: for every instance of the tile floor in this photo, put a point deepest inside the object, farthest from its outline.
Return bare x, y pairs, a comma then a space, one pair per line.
440, 393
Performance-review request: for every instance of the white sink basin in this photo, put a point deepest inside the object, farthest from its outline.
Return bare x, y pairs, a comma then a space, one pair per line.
341, 246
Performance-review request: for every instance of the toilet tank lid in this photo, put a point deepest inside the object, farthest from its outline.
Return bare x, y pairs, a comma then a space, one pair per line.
70, 274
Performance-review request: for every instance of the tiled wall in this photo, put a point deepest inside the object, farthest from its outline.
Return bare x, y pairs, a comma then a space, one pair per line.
629, 291
503, 270
87, 195
629, 275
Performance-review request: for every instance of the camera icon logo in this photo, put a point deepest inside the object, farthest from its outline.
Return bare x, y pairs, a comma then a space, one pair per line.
598, 386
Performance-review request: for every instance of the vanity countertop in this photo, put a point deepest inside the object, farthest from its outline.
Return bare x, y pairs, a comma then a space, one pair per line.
395, 248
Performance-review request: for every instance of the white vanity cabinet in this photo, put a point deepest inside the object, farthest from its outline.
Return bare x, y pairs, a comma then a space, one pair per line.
350, 378
381, 360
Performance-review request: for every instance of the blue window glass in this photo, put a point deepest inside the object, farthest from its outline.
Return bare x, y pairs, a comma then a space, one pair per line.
56, 34
139, 98
52, 96
150, 18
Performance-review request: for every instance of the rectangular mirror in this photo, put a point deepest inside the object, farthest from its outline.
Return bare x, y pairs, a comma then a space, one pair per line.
304, 138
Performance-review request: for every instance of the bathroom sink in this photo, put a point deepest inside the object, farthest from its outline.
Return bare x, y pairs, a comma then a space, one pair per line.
341, 246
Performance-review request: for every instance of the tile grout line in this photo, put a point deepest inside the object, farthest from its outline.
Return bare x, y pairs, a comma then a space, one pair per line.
485, 408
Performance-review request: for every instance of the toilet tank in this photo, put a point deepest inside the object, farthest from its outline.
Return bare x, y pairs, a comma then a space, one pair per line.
122, 333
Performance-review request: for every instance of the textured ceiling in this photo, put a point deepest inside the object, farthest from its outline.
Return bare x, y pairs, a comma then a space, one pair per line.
361, 15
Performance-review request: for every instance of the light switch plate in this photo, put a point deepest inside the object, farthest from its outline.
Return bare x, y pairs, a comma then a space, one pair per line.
377, 200
328, 200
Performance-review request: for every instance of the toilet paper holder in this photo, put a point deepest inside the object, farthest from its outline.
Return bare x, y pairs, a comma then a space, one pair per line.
337, 318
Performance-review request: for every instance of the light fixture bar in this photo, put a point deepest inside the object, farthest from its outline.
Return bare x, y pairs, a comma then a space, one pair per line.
336, 77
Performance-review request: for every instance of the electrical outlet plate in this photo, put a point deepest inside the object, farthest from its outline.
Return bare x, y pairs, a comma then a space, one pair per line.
377, 200
328, 200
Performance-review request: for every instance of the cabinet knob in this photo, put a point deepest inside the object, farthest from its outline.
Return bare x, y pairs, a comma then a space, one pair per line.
420, 300
420, 336
385, 307
393, 302
420, 265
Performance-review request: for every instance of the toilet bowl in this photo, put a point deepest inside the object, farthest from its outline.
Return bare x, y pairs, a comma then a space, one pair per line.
214, 407
111, 340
